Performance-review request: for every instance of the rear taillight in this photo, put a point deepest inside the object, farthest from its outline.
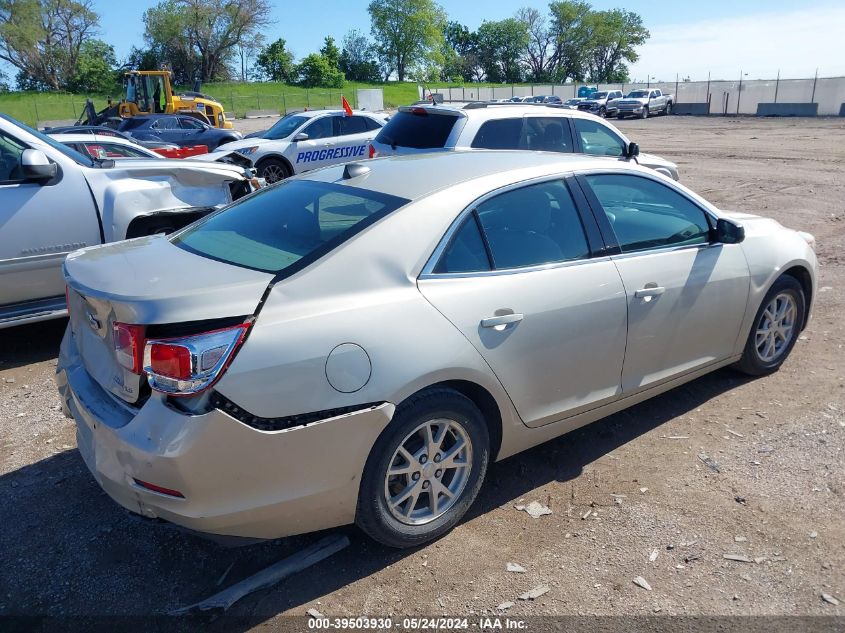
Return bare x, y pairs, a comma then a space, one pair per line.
190, 364
129, 346
373, 152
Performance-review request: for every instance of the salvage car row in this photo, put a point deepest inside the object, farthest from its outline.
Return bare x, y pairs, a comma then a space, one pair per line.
356, 344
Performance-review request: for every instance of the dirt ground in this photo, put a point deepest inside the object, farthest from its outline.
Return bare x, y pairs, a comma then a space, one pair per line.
629, 494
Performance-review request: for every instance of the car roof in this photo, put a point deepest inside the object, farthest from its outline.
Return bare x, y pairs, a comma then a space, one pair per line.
414, 176
493, 110
75, 137
314, 113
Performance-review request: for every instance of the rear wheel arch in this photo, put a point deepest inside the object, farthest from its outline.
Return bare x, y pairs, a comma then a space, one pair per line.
481, 398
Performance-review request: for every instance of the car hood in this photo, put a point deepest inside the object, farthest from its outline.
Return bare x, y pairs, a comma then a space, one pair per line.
633, 100
246, 142
129, 188
656, 162
148, 281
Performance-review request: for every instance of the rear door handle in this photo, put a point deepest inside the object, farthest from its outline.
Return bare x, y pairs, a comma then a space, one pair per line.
649, 291
503, 319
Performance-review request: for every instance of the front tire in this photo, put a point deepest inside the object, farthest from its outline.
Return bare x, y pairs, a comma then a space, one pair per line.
603, 112
273, 170
644, 113
777, 324
408, 496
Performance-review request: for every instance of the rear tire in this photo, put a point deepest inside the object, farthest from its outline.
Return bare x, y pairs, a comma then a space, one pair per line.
777, 324
273, 170
397, 508
668, 109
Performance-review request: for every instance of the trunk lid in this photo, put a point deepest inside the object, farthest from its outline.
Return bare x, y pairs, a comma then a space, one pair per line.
148, 281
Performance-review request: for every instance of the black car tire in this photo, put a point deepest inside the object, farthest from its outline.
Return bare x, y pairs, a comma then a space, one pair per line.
644, 113
273, 166
751, 363
373, 515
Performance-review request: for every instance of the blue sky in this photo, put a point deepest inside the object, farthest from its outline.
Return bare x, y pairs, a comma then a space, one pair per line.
689, 38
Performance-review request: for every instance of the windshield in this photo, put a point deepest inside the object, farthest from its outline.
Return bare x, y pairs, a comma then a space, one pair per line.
287, 226
638, 94
284, 127
56, 145
598, 95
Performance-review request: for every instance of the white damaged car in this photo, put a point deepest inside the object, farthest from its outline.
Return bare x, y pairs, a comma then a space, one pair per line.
54, 200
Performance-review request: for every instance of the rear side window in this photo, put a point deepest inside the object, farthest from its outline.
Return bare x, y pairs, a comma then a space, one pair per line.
286, 226
466, 252
352, 125
417, 131
499, 134
548, 134
533, 225
646, 214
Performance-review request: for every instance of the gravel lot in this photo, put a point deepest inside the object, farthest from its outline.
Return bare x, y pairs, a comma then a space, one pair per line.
629, 495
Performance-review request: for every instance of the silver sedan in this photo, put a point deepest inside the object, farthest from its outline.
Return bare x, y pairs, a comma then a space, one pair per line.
358, 344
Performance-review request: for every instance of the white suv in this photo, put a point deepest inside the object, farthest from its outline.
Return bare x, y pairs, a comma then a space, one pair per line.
428, 128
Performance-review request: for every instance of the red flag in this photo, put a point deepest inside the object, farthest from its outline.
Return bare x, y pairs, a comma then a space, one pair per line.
346, 107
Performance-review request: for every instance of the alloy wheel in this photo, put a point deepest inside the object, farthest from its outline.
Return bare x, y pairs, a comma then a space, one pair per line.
428, 472
776, 327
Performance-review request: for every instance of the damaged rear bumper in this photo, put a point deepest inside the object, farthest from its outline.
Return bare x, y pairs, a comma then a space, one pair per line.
235, 480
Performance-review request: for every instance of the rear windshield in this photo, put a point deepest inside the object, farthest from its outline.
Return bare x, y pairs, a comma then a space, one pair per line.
419, 131
287, 226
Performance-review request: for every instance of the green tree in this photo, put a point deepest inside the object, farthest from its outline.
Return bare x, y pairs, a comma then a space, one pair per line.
331, 52
539, 54
408, 33
461, 59
276, 62
614, 36
570, 32
203, 35
42, 39
501, 46
95, 69
315, 70
357, 60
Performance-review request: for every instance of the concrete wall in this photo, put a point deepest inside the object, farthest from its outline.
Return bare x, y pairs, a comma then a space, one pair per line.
725, 97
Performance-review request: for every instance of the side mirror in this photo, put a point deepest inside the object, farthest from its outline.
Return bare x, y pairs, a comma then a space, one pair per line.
36, 167
632, 150
302, 136
728, 232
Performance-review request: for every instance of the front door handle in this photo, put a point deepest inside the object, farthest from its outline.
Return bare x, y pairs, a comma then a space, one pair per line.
651, 290
503, 319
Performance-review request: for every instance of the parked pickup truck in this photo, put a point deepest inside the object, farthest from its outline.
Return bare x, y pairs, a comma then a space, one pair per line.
54, 200
643, 103
601, 103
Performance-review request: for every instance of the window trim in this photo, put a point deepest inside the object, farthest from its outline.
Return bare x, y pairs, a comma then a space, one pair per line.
609, 235
584, 215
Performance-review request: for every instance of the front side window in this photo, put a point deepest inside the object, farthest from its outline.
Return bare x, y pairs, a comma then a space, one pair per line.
321, 128
547, 134
598, 139
286, 226
646, 214
11, 152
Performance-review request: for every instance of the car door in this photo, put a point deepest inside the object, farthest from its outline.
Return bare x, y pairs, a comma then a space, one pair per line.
353, 134
313, 152
687, 294
195, 133
520, 279
39, 224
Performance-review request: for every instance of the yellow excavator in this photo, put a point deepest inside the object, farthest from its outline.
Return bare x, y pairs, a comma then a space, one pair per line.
150, 92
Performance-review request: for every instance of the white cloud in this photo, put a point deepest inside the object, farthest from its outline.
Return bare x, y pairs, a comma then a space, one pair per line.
796, 42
